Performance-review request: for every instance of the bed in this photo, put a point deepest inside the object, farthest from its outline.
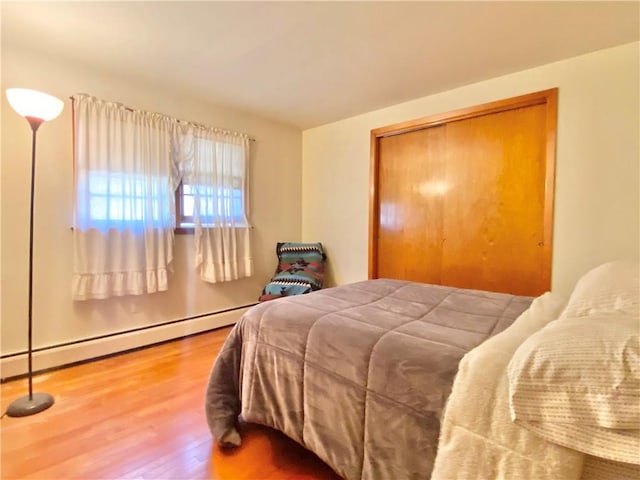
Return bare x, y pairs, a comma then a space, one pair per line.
556, 395
361, 374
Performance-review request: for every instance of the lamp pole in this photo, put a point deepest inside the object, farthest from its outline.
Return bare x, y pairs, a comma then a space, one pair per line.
35, 123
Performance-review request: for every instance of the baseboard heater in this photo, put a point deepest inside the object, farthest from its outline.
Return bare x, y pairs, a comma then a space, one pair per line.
62, 355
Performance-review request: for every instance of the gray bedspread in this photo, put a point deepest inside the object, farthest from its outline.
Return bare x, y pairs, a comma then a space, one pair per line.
358, 374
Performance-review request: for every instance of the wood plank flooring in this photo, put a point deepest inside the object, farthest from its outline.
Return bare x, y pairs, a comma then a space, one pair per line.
140, 415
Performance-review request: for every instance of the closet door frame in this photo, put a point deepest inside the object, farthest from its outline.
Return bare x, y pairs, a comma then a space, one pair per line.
549, 98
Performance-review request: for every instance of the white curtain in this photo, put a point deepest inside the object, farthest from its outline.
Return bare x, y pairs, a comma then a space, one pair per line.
215, 166
124, 219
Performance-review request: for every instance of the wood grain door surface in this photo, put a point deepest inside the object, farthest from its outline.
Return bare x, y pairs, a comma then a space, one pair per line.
465, 202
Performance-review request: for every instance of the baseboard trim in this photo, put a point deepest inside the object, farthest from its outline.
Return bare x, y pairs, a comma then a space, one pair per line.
58, 356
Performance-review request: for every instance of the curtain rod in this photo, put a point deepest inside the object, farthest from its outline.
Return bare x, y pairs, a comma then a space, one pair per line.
129, 109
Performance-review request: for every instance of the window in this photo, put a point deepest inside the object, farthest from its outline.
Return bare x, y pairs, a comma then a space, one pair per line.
184, 209
213, 191
228, 204
124, 178
120, 200
127, 166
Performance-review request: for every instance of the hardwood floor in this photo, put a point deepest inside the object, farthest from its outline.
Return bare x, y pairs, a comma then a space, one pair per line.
140, 416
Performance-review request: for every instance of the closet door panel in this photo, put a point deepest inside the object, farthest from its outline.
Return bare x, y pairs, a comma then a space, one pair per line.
412, 174
494, 207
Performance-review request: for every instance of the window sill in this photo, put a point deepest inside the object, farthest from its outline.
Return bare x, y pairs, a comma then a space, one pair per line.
191, 230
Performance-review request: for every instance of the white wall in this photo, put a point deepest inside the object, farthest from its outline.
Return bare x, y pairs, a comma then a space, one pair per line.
275, 213
597, 205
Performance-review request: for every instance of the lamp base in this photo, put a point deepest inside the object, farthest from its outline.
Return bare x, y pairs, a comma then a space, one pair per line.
24, 406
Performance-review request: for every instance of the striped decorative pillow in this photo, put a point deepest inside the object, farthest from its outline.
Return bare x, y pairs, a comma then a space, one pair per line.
300, 270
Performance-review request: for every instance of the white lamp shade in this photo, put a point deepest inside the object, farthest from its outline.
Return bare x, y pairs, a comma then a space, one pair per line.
32, 103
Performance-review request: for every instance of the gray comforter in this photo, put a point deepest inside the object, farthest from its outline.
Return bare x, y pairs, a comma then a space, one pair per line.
358, 374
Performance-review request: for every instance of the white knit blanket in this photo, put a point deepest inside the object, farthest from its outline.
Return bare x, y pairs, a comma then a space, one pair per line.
478, 440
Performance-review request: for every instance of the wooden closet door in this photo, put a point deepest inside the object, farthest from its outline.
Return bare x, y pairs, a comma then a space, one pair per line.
412, 167
465, 199
493, 227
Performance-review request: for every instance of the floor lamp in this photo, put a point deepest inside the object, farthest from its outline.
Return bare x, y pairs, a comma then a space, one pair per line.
36, 107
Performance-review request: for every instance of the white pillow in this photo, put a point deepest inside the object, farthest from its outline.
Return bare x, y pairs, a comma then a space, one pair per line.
579, 370
610, 289
576, 382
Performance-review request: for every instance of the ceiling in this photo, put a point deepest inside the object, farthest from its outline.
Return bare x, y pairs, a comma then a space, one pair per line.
311, 63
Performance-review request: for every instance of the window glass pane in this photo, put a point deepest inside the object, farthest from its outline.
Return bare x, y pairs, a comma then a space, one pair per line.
217, 185
187, 205
116, 185
115, 209
117, 200
97, 185
237, 204
98, 208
